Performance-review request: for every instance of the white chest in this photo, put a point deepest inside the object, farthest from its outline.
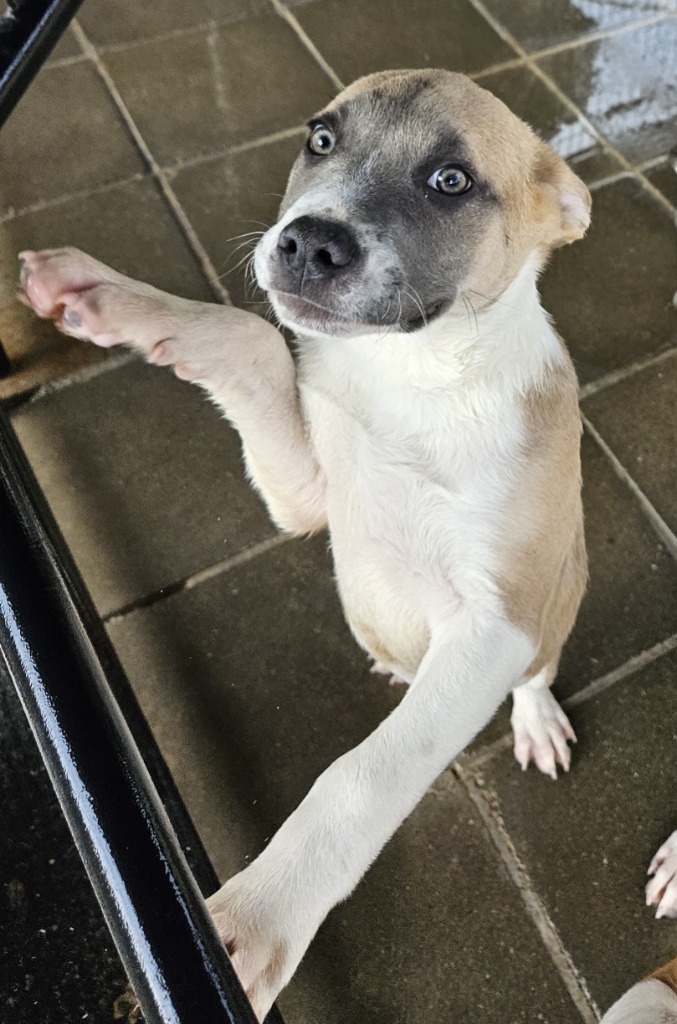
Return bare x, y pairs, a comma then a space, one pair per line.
417, 482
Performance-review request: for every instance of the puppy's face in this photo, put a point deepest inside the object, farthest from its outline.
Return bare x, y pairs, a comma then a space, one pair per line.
416, 192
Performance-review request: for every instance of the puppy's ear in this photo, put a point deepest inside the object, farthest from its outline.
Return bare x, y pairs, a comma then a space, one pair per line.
564, 199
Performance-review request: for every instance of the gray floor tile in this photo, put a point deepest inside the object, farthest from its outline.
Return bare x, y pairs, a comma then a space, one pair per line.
67, 46
638, 420
358, 39
211, 89
254, 685
665, 180
435, 932
129, 227
611, 294
586, 841
528, 97
631, 600
626, 85
116, 22
144, 478
537, 24
48, 148
233, 195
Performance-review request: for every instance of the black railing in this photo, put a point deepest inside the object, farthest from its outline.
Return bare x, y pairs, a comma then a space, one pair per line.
68, 677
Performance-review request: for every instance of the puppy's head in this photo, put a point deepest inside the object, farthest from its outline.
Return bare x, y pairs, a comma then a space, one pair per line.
415, 190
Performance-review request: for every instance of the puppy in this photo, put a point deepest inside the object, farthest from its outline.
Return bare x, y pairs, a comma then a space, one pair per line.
652, 1001
430, 420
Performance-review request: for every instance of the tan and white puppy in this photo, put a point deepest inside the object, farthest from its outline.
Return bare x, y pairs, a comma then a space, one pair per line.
430, 420
652, 1001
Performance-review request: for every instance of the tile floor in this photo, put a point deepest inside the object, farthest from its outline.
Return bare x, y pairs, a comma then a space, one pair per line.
156, 134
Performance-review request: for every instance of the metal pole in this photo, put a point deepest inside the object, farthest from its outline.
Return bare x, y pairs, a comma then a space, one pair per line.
177, 965
29, 29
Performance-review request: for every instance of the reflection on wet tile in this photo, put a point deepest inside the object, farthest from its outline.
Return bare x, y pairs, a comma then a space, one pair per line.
587, 839
626, 85
529, 98
129, 227
638, 419
611, 293
428, 33
92, 150
212, 89
537, 24
234, 195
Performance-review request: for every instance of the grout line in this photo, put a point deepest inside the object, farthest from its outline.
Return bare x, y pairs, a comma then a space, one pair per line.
190, 234
67, 197
81, 376
573, 980
616, 675
201, 576
162, 37
609, 179
296, 27
660, 526
616, 376
65, 62
554, 88
504, 65
238, 147
595, 37
655, 161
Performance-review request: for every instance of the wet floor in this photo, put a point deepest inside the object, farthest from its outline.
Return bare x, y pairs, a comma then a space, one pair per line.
157, 134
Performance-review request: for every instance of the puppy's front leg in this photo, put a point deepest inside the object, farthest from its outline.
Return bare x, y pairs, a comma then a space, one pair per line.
269, 913
238, 357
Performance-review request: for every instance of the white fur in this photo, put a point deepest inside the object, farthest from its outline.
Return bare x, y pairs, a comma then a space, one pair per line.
649, 1002
409, 446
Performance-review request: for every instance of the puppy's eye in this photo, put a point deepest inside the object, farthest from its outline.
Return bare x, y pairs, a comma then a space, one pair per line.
451, 180
321, 140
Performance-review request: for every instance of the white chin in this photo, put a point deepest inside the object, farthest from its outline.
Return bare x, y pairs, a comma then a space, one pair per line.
305, 317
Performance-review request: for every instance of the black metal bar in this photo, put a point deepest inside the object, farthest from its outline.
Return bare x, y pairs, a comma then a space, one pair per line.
5, 366
177, 965
29, 30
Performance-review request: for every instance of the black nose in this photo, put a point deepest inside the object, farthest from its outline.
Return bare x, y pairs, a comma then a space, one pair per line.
316, 248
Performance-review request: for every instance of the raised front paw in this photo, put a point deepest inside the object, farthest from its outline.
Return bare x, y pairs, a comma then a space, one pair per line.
661, 891
263, 940
88, 300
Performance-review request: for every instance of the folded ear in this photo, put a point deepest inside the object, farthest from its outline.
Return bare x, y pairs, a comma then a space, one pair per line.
566, 199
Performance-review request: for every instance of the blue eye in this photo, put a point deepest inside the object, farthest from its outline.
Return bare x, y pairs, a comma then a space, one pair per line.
321, 140
450, 180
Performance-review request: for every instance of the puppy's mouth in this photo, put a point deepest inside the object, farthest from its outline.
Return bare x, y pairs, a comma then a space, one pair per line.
297, 312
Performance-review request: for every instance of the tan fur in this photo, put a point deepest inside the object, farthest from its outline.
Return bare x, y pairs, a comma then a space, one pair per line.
667, 974
544, 570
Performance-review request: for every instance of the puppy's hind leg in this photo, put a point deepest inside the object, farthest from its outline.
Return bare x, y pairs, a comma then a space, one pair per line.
540, 727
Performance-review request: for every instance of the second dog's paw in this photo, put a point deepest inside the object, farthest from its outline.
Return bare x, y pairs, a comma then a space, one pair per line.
263, 956
661, 891
541, 729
